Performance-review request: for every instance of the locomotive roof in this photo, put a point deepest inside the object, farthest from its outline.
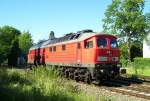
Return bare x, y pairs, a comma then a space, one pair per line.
68, 38
38, 45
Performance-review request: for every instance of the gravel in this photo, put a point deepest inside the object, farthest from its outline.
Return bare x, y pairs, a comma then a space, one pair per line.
101, 92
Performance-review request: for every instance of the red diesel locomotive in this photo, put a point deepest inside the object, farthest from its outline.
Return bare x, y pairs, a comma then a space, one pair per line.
85, 55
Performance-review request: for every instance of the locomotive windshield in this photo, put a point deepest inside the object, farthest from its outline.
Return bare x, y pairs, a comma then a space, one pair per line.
102, 43
113, 43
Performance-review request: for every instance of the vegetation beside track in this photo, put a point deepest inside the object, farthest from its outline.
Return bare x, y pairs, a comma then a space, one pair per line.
140, 66
39, 84
138, 71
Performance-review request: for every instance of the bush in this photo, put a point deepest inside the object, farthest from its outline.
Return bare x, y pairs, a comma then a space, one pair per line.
124, 52
124, 62
135, 50
141, 63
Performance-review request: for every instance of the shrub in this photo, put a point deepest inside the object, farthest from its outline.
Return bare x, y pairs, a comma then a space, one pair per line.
124, 62
124, 52
141, 63
135, 50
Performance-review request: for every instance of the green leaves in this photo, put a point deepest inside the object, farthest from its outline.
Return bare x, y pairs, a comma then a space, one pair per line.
147, 18
11, 40
109, 21
25, 42
7, 36
125, 18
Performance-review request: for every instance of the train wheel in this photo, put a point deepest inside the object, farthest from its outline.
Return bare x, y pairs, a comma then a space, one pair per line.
76, 75
66, 73
108, 77
100, 81
71, 73
87, 78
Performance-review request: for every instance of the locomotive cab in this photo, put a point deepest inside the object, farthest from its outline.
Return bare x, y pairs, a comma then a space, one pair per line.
107, 56
107, 50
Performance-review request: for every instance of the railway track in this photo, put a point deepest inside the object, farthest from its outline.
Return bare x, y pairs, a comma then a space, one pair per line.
132, 92
140, 77
129, 87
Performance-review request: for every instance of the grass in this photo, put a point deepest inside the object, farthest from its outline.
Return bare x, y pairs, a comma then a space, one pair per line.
143, 70
138, 71
40, 84
140, 66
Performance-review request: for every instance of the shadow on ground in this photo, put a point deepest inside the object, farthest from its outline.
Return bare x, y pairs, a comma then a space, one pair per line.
122, 81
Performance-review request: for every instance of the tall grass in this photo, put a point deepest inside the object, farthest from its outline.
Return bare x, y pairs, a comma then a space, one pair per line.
138, 71
140, 66
39, 84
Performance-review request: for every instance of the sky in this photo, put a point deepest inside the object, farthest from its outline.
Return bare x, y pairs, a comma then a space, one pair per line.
39, 17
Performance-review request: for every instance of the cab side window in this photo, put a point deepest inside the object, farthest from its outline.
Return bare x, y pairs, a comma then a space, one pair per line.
102, 43
89, 44
113, 43
63, 47
52, 49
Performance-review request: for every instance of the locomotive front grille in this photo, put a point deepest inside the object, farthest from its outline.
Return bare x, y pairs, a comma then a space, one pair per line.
103, 59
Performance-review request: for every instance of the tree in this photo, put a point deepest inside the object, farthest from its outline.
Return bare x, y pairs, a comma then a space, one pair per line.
125, 18
147, 15
7, 36
136, 51
25, 42
14, 53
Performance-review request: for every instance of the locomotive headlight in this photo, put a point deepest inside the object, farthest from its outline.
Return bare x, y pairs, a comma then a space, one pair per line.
115, 58
102, 71
101, 58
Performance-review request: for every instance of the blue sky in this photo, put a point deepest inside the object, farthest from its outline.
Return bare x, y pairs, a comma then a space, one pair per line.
61, 16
